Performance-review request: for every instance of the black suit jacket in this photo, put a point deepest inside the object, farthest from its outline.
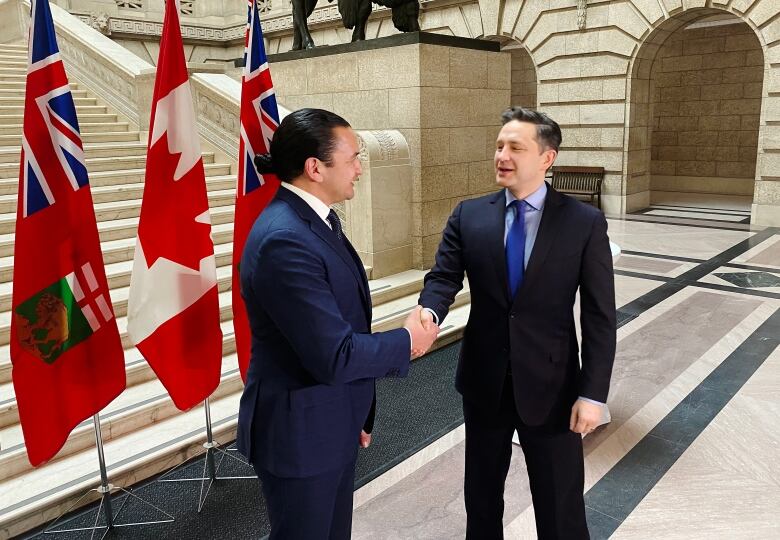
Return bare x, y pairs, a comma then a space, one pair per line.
532, 333
310, 383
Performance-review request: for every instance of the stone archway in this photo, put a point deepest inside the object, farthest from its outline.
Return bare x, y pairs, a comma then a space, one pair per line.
524, 83
696, 87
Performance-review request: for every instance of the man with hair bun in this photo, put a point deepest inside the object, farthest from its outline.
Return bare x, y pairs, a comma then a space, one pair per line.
309, 399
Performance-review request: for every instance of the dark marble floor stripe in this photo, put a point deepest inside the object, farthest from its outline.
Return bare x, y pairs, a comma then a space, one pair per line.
689, 210
642, 275
661, 256
705, 209
612, 499
753, 267
692, 276
693, 214
665, 221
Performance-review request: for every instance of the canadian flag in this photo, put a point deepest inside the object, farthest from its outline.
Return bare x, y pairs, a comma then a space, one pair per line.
173, 308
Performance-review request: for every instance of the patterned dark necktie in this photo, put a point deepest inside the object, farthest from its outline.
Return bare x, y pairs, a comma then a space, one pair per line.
335, 224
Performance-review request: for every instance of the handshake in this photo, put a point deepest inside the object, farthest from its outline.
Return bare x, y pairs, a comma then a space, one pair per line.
423, 330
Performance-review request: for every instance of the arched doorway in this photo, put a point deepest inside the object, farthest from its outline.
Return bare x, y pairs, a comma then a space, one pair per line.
696, 90
523, 75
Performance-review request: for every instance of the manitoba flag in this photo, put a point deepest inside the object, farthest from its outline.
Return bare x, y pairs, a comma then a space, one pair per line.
67, 357
259, 120
173, 307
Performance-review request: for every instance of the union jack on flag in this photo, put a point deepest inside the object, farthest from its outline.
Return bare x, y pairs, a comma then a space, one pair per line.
259, 120
52, 153
259, 115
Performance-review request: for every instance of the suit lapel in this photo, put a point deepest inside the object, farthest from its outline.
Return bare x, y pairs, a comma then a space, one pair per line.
319, 228
496, 224
545, 238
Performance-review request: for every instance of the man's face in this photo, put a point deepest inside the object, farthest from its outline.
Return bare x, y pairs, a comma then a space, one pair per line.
519, 160
340, 176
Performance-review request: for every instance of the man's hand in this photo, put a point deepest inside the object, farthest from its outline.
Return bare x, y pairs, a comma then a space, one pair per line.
584, 417
365, 439
422, 338
426, 318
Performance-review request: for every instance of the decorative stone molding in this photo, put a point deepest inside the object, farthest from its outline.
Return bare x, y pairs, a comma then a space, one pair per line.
99, 21
142, 28
582, 14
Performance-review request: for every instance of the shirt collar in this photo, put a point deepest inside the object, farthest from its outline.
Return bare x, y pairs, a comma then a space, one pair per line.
535, 200
319, 207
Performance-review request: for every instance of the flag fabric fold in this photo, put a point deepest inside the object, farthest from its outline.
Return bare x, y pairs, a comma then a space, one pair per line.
259, 120
67, 355
173, 306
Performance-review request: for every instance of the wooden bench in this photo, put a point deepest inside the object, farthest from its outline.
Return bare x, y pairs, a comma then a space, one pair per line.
579, 181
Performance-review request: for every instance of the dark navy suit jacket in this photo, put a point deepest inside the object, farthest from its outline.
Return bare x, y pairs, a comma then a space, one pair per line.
310, 383
532, 334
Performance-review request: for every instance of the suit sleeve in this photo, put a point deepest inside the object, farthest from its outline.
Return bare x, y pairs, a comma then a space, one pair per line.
445, 279
597, 313
290, 282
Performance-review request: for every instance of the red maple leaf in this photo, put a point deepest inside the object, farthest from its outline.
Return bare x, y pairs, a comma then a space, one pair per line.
167, 227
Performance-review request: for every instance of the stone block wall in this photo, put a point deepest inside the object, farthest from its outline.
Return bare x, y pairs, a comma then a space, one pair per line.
523, 78
706, 103
445, 100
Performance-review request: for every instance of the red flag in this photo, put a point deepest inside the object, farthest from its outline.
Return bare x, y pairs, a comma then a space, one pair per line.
173, 307
259, 120
67, 357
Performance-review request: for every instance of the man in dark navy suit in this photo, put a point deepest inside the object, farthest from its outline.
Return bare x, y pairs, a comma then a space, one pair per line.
526, 250
309, 398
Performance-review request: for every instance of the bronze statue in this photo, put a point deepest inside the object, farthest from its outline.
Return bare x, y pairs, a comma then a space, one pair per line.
354, 14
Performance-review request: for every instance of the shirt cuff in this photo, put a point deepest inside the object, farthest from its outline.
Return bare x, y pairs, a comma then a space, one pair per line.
433, 313
411, 345
588, 400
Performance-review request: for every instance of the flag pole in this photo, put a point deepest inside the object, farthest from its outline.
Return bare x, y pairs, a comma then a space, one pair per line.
104, 491
210, 468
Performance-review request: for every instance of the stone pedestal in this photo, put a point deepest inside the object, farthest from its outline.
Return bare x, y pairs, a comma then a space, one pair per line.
444, 94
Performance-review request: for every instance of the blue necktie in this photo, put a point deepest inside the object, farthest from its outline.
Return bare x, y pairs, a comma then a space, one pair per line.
515, 247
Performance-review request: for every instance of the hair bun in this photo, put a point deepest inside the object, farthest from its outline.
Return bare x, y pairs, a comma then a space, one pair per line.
264, 163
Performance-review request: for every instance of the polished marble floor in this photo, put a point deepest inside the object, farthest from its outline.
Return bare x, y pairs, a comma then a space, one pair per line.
693, 448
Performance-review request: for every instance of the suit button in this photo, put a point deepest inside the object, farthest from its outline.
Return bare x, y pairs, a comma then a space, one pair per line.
504, 350
512, 315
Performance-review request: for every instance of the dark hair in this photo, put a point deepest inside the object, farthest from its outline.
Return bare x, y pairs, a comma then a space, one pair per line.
302, 134
548, 132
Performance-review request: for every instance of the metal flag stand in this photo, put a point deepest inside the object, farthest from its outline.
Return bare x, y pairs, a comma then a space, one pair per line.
105, 490
210, 470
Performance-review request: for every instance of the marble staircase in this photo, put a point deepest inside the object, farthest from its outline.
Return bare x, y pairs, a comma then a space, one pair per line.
144, 433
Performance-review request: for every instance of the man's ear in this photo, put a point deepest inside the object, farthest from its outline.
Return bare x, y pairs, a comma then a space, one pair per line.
312, 169
549, 158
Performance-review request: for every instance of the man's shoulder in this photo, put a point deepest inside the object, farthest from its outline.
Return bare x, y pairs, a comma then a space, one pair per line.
482, 200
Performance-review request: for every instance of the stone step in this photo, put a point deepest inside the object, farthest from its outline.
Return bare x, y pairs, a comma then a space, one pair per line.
86, 138
14, 48
13, 58
124, 209
84, 127
138, 405
16, 94
91, 151
103, 117
11, 170
119, 296
18, 101
39, 495
114, 251
10, 186
20, 85
81, 110
13, 75
12, 63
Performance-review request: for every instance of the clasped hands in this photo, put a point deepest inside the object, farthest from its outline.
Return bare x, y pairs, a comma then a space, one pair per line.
422, 329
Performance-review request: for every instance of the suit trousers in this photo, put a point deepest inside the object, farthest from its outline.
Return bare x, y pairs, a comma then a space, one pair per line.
310, 508
554, 459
